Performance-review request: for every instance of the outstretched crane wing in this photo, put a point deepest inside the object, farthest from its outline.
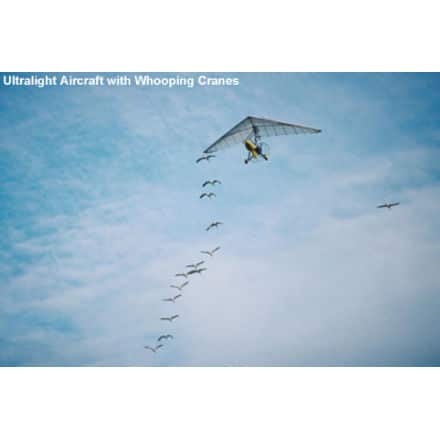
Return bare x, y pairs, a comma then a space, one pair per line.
252, 125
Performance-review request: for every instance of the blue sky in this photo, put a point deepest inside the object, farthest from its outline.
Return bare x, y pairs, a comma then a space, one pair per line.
99, 208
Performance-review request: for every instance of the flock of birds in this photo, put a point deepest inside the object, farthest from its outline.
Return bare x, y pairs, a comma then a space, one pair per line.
191, 269
197, 268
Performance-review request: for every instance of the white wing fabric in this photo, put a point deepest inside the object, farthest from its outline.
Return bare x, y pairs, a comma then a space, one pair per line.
252, 126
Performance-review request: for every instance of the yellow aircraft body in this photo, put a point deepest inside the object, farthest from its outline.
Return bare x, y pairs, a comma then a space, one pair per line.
254, 150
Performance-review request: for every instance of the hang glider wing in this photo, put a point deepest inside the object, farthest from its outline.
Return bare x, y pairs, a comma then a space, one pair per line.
258, 127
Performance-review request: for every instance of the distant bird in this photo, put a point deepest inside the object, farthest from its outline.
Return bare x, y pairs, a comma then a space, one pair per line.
169, 318
153, 349
196, 265
209, 195
388, 205
214, 225
193, 271
173, 298
181, 286
181, 275
209, 156
211, 182
211, 253
164, 337
199, 271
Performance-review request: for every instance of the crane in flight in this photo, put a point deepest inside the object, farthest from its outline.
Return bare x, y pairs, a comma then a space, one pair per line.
172, 298
211, 253
181, 286
214, 225
209, 195
207, 158
199, 271
153, 349
196, 265
211, 182
169, 318
161, 337
389, 205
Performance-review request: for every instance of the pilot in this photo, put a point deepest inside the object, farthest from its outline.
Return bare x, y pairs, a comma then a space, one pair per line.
260, 152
